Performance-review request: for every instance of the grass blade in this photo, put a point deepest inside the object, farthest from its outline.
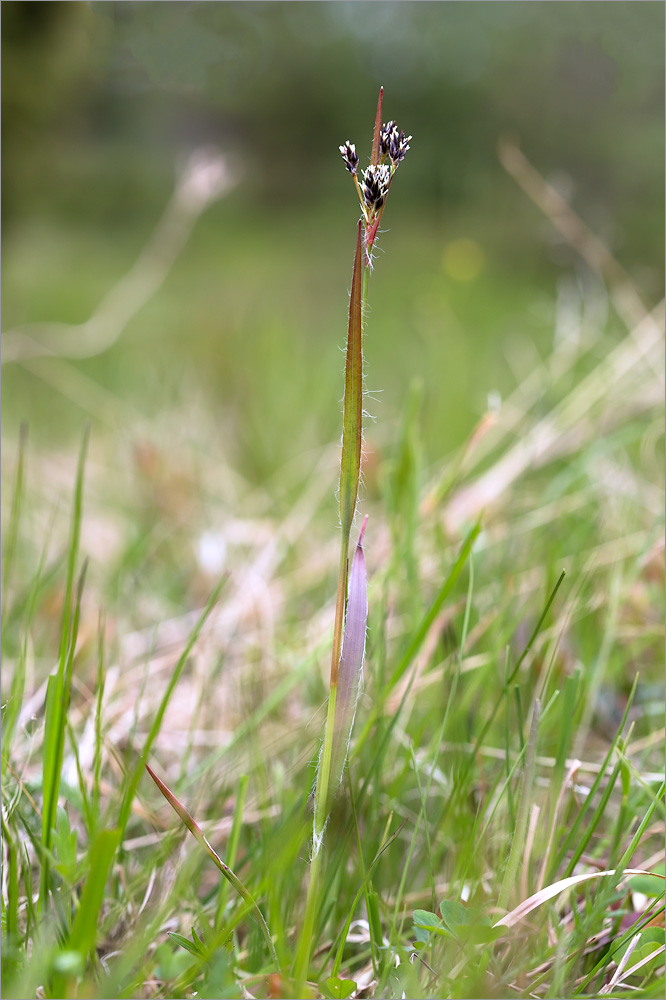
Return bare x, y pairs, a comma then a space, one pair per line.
550, 891
233, 879
352, 420
350, 672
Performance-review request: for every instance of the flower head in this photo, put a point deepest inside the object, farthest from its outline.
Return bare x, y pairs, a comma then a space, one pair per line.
350, 156
398, 146
385, 137
376, 180
389, 146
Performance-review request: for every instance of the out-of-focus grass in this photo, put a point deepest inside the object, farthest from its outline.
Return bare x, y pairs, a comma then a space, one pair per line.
256, 303
213, 451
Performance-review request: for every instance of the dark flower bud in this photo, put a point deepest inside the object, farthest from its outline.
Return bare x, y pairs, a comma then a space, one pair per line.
350, 156
385, 137
398, 146
375, 185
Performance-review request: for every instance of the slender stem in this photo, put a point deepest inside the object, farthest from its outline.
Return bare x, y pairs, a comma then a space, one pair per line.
323, 775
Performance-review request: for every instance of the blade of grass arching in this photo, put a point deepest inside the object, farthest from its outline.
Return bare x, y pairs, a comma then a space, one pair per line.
572, 836
232, 847
518, 839
550, 891
55, 723
233, 879
132, 782
10, 537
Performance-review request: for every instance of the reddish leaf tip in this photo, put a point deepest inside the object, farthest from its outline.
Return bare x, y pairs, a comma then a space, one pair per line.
362, 532
374, 158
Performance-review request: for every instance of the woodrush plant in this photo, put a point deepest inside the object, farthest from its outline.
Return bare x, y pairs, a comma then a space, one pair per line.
467, 830
389, 146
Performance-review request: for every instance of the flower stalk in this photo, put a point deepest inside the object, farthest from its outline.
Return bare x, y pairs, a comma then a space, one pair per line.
389, 146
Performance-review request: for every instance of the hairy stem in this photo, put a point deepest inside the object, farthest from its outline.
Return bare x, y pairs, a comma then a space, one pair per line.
350, 470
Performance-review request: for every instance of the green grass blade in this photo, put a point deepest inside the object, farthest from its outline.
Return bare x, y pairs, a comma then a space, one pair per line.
352, 419
55, 726
349, 679
84, 928
232, 878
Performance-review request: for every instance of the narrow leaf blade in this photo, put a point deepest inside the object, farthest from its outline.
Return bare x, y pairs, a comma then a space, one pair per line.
378, 124
198, 833
350, 671
350, 463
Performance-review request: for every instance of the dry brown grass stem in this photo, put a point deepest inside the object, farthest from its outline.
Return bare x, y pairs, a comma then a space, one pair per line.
207, 177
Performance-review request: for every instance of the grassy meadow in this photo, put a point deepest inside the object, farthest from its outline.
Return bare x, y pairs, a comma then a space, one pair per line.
172, 384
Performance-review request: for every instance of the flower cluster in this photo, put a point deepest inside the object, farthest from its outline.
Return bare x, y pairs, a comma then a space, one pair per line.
393, 143
350, 156
389, 149
376, 182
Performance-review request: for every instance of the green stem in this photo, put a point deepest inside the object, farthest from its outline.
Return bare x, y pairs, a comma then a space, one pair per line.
324, 772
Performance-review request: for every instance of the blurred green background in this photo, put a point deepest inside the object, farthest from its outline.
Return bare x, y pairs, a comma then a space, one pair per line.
104, 102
